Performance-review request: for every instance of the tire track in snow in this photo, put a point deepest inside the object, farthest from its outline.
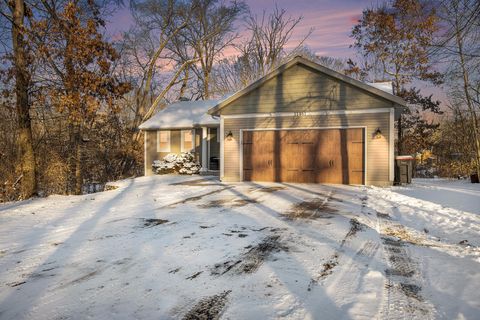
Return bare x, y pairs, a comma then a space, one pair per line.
403, 297
333, 262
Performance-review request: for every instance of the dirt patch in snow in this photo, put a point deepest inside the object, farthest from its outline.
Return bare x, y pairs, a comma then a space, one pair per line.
110, 187
382, 215
243, 202
328, 266
83, 278
173, 271
214, 204
412, 291
209, 307
327, 269
403, 234
266, 189
193, 276
316, 208
152, 222
194, 199
252, 259
355, 226
232, 203
16, 284
197, 183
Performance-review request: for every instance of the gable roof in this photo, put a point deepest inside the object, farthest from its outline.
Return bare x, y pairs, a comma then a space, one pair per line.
313, 65
182, 114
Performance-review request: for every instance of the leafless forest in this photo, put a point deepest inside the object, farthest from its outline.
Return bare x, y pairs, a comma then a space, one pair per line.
72, 98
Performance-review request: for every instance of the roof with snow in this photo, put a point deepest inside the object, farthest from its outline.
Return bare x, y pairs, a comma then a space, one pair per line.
183, 114
385, 86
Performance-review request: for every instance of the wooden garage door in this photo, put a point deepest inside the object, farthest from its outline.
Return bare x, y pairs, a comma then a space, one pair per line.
311, 156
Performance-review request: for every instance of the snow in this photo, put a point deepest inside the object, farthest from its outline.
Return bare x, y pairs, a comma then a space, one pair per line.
384, 86
183, 114
243, 251
458, 194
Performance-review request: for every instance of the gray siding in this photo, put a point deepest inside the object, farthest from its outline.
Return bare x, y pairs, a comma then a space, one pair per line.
302, 89
377, 150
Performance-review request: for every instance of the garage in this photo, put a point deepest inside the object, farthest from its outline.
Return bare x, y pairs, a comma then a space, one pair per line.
304, 156
305, 123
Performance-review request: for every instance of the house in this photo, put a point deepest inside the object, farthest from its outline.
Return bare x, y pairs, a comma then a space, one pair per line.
184, 126
300, 123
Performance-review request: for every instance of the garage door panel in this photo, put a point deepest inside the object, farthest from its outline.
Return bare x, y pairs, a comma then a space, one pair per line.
308, 156
356, 147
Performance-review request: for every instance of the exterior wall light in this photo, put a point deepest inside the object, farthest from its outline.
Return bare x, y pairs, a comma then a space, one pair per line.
229, 136
377, 134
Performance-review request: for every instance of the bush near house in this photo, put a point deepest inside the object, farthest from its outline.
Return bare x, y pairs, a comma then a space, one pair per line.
183, 163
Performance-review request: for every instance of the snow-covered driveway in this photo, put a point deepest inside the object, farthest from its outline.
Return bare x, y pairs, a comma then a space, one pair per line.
169, 247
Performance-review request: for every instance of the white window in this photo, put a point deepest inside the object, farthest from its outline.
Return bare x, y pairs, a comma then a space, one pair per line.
163, 141
187, 140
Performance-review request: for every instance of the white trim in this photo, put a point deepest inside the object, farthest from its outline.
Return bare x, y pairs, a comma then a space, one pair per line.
365, 162
306, 128
306, 113
241, 153
145, 153
204, 140
169, 141
391, 142
365, 140
222, 145
209, 147
182, 140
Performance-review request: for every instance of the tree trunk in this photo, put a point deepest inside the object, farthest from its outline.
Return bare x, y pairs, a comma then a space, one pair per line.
78, 161
25, 144
399, 135
396, 91
183, 88
468, 98
206, 85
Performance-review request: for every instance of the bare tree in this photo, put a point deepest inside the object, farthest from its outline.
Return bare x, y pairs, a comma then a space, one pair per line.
157, 23
269, 35
264, 48
459, 47
209, 32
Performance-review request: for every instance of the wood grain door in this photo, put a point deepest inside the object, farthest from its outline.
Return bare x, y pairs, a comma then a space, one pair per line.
356, 157
304, 156
288, 160
258, 155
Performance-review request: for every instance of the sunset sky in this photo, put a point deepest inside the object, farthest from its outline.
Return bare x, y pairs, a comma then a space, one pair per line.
332, 22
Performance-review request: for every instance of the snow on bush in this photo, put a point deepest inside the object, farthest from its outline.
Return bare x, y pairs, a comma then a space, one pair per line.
183, 163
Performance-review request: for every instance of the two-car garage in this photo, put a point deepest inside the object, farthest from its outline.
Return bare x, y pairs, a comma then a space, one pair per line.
304, 156
305, 123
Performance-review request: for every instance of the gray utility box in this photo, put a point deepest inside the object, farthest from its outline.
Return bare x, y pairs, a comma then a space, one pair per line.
403, 169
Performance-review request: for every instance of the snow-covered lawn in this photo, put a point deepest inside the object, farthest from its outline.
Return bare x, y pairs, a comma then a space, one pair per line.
169, 247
